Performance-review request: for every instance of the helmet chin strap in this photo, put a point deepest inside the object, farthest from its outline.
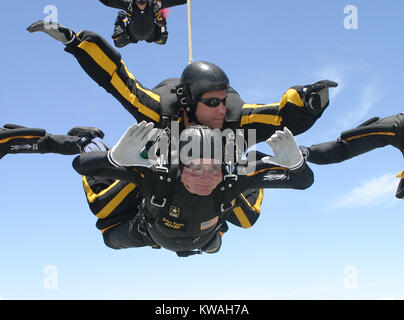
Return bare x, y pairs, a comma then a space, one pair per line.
184, 98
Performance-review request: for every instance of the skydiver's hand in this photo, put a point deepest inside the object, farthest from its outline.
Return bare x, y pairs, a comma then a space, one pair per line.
316, 96
286, 152
127, 151
55, 30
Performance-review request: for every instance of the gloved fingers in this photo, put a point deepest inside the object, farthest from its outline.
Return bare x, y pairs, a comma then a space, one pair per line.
153, 134
148, 134
145, 132
130, 131
136, 130
276, 137
36, 26
323, 84
288, 135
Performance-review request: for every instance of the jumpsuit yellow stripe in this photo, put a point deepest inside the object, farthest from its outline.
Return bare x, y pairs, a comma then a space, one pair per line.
240, 213
257, 206
242, 218
110, 67
370, 134
110, 227
293, 97
255, 106
261, 118
106, 211
19, 137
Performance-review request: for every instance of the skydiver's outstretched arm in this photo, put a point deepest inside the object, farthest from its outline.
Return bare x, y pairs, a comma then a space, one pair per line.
118, 4
286, 169
299, 108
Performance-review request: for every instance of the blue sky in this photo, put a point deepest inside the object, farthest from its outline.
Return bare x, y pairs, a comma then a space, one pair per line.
340, 239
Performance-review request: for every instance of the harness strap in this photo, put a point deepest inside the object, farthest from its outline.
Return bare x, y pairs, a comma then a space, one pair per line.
162, 186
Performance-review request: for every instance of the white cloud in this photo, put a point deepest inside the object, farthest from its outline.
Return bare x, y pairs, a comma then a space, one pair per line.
375, 191
369, 95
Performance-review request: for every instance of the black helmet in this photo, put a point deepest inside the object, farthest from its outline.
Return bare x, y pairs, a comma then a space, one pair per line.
141, 1
198, 142
200, 77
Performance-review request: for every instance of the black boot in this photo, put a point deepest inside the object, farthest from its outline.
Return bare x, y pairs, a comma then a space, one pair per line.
87, 134
55, 30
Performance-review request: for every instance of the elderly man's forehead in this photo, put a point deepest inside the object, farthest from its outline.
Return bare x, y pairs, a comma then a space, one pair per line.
205, 161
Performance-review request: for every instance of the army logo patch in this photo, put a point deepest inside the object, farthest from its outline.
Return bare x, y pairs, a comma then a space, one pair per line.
174, 211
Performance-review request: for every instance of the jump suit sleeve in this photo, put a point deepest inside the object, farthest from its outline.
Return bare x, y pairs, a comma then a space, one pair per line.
105, 66
269, 176
247, 208
97, 164
117, 4
110, 200
250, 186
265, 119
172, 3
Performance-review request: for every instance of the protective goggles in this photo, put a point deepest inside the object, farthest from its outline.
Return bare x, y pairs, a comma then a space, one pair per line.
213, 102
141, 1
199, 170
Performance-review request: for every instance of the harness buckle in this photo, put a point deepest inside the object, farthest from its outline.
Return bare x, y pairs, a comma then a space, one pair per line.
162, 169
158, 203
223, 209
231, 176
143, 232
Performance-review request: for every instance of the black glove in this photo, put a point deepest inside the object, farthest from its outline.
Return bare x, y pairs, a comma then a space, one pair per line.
315, 96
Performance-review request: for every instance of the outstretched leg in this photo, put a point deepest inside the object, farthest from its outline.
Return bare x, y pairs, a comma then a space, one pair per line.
374, 133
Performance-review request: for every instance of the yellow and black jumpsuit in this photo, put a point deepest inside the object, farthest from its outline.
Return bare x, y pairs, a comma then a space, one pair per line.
185, 222
106, 67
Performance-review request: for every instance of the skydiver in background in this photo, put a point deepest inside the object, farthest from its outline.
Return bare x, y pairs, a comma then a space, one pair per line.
141, 20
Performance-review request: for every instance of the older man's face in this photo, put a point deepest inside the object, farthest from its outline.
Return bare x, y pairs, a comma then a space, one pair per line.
202, 176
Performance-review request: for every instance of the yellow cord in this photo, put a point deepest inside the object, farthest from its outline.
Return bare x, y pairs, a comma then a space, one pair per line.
189, 32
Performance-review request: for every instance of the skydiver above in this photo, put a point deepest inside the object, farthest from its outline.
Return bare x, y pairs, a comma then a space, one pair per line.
140, 20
